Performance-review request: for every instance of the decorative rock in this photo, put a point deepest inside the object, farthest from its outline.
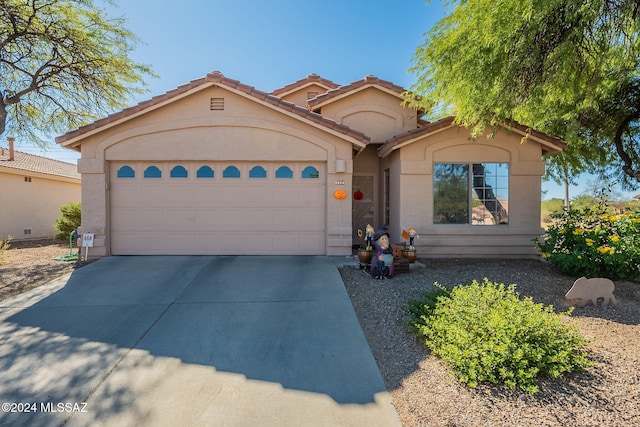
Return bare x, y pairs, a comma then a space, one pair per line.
587, 290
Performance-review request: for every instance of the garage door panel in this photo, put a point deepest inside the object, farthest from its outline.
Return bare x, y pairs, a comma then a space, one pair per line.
154, 193
180, 196
312, 196
311, 220
285, 220
217, 215
232, 219
258, 195
206, 196
206, 243
308, 242
207, 220
183, 219
232, 196
285, 195
153, 220
258, 219
126, 220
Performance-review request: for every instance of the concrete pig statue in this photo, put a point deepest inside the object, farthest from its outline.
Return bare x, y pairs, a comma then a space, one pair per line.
587, 290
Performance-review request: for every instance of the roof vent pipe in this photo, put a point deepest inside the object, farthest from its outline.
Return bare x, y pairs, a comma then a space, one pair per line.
11, 154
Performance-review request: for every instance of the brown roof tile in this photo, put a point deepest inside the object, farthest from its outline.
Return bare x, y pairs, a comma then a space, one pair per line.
218, 78
311, 78
351, 87
32, 163
553, 144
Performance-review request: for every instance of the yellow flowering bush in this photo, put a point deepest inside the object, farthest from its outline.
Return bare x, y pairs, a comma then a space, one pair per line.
594, 244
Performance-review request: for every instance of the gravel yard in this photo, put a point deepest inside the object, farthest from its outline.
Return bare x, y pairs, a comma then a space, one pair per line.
422, 390
425, 394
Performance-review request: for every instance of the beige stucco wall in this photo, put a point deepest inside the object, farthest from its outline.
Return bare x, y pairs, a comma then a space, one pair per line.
187, 129
300, 96
33, 205
415, 202
378, 114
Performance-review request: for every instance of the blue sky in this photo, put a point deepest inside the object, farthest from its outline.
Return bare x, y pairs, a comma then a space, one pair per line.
269, 44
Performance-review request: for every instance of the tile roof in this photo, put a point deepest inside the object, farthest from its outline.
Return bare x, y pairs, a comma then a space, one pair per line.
32, 163
307, 81
216, 77
368, 81
551, 143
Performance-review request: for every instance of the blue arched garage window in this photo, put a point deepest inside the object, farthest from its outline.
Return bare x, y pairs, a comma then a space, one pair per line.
284, 172
179, 172
152, 172
231, 172
204, 172
257, 172
126, 172
310, 172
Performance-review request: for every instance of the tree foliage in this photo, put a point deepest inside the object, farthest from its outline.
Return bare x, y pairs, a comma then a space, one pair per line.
63, 64
565, 67
69, 220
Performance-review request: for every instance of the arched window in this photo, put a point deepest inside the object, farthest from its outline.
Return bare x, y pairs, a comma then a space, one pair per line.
284, 172
257, 172
179, 172
126, 172
152, 172
231, 172
310, 172
204, 172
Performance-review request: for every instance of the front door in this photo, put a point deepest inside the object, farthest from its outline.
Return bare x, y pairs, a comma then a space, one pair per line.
362, 213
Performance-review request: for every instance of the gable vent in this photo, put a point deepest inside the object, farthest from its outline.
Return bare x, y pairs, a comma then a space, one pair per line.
217, 104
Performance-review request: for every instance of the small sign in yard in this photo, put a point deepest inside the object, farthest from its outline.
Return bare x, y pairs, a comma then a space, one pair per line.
87, 242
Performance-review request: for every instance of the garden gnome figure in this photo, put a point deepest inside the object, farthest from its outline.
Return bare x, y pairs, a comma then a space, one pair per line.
382, 262
369, 237
412, 235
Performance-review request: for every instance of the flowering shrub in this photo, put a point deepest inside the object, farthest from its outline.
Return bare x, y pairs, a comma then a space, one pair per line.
594, 243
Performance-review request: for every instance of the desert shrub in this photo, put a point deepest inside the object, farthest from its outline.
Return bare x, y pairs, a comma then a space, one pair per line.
4, 246
594, 243
69, 221
486, 333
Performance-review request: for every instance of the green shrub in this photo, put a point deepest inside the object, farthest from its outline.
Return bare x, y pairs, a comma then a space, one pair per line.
593, 243
4, 246
69, 221
487, 334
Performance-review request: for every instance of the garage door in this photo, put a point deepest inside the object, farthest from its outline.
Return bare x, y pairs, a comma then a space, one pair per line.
217, 208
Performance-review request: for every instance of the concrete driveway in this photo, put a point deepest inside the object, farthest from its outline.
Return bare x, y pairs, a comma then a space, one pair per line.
206, 341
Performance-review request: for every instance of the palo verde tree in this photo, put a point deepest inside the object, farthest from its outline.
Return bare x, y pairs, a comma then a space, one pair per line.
565, 67
63, 64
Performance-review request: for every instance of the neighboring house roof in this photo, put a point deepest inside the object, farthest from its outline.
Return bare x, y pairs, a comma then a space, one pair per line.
311, 79
549, 143
216, 78
37, 164
343, 91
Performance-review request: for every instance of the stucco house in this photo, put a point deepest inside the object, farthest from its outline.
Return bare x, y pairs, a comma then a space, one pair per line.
218, 167
32, 189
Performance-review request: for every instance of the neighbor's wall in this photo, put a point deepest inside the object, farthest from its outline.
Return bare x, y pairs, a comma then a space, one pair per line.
513, 240
33, 205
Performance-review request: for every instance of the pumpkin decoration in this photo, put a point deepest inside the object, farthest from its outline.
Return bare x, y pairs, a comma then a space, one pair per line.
358, 195
340, 194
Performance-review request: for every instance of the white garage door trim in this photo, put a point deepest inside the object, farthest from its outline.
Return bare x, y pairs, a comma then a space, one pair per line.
179, 209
